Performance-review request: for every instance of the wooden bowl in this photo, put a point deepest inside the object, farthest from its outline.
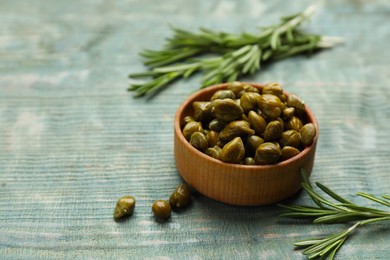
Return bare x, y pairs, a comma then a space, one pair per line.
237, 184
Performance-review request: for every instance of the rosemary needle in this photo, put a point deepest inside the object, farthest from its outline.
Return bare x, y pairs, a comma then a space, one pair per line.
328, 211
228, 56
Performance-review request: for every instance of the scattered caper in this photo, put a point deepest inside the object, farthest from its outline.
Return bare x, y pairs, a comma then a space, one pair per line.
161, 209
308, 132
181, 197
124, 207
235, 129
233, 151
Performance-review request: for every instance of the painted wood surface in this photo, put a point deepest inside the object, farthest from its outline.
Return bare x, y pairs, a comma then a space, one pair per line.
72, 140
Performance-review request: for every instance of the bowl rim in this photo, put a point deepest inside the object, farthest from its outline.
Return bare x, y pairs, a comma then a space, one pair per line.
195, 96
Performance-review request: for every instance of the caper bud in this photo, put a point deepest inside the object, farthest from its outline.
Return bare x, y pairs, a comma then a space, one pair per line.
293, 123
288, 152
308, 132
250, 88
233, 151
214, 152
252, 143
161, 209
257, 122
212, 137
267, 153
190, 128
249, 161
290, 138
288, 112
234, 129
217, 125
199, 141
274, 89
124, 207
226, 109
188, 119
237, 88
201, 111
273, 131
297, 103
249, 101
270, 105
181, 197
222, 94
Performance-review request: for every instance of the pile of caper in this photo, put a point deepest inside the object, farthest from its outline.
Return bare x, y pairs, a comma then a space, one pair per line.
245, 125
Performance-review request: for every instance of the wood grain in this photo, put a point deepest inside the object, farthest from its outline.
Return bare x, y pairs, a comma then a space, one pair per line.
72, 140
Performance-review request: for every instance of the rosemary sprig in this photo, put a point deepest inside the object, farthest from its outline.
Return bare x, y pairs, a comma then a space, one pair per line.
340, 211
232, 55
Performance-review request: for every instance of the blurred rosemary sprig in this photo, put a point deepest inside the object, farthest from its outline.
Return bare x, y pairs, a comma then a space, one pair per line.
340, 211
233, 55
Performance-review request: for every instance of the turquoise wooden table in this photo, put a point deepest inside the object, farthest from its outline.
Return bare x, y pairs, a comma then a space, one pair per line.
73, 140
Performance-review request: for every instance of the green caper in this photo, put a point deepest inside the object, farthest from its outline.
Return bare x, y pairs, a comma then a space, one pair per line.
222, 94
181, 197
308, 132
188, 119
273, 131
290, 138
297, 103
270, 105
212, 137
201, 111
233, 151
226, 109
293, 123
257, 122
267, 153
288, 152
199, 141
274, 89
214, 152
124, 207
249, 161
288, 112
190, 128
252, 143
234, 129
161, 209
249, 101
237, 88
250, 88
217, 125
